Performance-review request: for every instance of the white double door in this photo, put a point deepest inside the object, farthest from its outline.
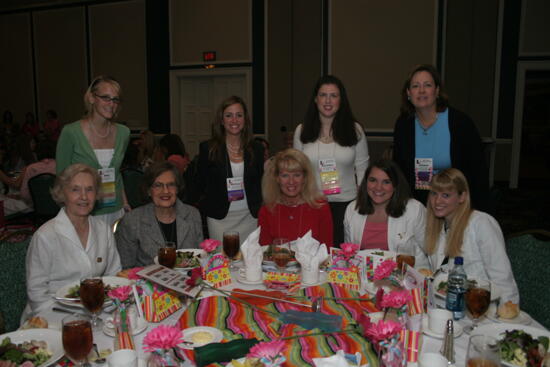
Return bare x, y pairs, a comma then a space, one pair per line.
196, 95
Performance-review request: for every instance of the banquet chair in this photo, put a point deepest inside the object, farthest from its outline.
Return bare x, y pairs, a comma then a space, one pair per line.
529, 257
45, 207
132, 179
13, 252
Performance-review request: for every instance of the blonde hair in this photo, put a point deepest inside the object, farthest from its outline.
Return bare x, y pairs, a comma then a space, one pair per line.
65, 178
94, 86
450, 179
291, 160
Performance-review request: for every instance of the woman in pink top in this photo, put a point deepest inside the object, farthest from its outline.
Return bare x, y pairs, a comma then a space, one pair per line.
384, 216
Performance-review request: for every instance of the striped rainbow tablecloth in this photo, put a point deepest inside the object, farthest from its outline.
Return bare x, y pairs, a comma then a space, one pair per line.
237, 320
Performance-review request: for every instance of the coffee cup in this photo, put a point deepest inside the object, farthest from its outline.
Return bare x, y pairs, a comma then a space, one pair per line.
437, 320
432, 360
253, 273
310, 275
123, 358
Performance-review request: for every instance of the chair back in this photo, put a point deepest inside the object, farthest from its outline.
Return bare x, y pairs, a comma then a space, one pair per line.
132, 186
13, 288
44, 205
530, 259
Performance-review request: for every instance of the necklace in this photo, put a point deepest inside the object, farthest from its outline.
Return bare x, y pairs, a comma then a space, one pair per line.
426, 129
97, 133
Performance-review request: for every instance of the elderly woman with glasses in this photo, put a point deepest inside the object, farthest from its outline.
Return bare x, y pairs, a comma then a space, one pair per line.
147, 228
99, 142
72, 245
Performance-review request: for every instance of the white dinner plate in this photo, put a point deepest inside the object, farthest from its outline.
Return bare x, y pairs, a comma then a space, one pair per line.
188, 333
442, 277
50, 336
522, 318
457, 328
107, 280
110, 331
195, 251
497, 331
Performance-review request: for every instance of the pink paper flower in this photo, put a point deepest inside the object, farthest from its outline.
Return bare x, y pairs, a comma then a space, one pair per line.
396, 299
267, 350
120, 293
385, 269
378, 299
162, 337
382, 330
349, 249
364, 322
195, 278
132, 273
210, 245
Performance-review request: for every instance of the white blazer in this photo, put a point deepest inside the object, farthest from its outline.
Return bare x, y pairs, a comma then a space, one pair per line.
408, 230
484, 255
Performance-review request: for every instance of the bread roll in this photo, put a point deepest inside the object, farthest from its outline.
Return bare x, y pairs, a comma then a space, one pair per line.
36, 322
508, 310
425, 272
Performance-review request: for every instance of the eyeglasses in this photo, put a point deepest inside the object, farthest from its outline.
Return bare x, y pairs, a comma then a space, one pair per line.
108, 99
162, 185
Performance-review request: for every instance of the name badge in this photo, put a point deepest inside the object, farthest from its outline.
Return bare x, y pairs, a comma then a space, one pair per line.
107, 189
423, 173
235, 188
330, 178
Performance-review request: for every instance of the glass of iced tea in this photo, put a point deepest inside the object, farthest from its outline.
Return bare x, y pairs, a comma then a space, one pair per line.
167, 255
478, 299
92, 296
405, 255
77, 337
483, 351
231, 244
280, 252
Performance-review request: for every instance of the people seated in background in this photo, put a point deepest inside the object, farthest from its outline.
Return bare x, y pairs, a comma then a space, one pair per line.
52, 127
384, 216
146, 144
72, 245
131, 157
455, 229
45, 152
265, 143
20, 157
171, 149
147, 228
30, 127
430, 135
293, 204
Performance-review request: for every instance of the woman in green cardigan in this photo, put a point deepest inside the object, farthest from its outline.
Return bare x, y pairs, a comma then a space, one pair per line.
99, 142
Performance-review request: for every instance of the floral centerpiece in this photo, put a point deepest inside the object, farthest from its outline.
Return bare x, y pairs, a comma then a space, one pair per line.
122, 300
345, 266
268, 354
215, 266
385, 335
161, 342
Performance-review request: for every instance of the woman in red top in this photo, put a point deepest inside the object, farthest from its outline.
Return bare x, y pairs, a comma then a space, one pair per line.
293, 203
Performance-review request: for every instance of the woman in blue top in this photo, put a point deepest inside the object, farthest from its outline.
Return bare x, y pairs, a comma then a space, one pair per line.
430, 136
97, 141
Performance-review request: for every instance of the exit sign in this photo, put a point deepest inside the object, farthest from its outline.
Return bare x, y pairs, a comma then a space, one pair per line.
208, 56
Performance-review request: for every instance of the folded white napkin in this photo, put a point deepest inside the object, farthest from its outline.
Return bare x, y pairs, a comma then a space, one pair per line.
309, 253
252, 251
337, 360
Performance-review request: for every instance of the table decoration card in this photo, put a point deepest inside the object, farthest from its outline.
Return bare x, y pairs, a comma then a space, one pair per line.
215, 265
158, 302
371, 260
345, 266
253, 255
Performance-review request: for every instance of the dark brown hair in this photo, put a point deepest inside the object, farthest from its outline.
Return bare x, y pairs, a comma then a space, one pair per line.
442, 102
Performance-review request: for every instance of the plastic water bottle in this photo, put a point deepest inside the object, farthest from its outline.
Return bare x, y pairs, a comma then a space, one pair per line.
456, 288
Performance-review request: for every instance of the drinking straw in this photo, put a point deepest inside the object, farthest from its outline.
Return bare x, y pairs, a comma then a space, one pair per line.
138, 303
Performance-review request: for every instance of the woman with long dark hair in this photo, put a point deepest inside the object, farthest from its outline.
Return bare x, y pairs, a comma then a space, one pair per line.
229, 172
336, 145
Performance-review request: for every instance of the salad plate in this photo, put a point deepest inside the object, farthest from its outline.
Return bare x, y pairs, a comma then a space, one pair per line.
498, 331
186, 259
51, 337
71, 301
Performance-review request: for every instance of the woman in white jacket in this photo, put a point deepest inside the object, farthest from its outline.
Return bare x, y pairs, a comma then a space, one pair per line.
384, 216
453, 229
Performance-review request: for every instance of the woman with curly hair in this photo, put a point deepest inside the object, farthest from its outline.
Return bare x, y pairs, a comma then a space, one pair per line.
293, 203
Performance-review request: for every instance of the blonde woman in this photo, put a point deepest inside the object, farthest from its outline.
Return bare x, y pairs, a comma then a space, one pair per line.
453, 229
99, 142
293, 203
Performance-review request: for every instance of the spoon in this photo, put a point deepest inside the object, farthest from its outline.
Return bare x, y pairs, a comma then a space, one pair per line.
99, 360
316, 304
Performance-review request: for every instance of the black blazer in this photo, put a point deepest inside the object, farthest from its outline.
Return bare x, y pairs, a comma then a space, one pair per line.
466, 155
209, 188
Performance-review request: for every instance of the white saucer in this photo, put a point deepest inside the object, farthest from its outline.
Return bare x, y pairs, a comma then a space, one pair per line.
243, 280
426, 330
139, 329
522, 319
187, 334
